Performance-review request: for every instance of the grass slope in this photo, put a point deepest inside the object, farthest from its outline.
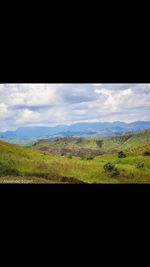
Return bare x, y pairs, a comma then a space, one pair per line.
32, 165
27, 165
124, 142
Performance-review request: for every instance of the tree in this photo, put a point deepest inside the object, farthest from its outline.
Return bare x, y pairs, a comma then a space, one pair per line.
99, 143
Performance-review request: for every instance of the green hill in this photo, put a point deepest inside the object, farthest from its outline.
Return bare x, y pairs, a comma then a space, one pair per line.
26, 165
77, 160
74, 144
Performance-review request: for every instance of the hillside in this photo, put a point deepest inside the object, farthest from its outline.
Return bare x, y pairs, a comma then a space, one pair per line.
28, 166
26, 135
97, 146
78, 160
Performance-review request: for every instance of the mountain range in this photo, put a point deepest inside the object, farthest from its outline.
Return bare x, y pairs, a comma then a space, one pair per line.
84, 129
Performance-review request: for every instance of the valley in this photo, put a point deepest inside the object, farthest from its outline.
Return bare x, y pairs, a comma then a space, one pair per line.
80, 160
28, 135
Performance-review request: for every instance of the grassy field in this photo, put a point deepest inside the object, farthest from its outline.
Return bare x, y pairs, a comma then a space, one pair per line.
30, 165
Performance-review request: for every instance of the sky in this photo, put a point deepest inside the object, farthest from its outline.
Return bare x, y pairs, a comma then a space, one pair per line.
52, 104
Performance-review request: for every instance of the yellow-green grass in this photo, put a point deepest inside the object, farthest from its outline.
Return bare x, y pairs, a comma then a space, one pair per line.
40, 167
92, 170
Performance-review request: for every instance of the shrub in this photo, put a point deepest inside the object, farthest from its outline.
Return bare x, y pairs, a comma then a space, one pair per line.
99, 143
69, 156
109, 167
146, 153
121, 154
140, 165
89, 157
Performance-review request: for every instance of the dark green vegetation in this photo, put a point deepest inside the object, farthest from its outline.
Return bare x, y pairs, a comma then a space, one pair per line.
78, 160
121, 154
111, 169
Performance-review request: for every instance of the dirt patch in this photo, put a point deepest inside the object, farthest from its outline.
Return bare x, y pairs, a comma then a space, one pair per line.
55, 177
71, 180
74, 152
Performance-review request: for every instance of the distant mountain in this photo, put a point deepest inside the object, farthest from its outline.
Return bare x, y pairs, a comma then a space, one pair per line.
99, 129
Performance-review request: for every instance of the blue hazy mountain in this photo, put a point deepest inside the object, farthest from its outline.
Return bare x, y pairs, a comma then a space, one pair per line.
24, 134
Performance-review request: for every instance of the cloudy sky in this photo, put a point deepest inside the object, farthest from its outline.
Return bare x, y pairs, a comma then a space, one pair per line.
53, 104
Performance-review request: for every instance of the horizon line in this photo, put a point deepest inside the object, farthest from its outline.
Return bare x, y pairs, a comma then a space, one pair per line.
38, 126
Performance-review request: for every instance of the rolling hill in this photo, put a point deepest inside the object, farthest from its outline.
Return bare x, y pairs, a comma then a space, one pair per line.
60, 160
25, 165
25, 135
72, 145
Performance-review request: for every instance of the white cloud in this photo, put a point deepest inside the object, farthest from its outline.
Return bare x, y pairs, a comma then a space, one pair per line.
3, 109
51, 104
27, 116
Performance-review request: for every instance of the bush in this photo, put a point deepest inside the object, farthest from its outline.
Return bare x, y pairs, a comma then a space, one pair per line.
140, 165
69, 156
146, 153
89, 157
99, 143
109, 167
121, 154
